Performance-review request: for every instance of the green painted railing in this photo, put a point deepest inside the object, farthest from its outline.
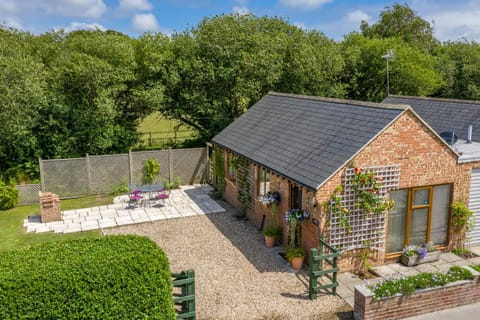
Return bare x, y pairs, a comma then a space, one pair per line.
185, 300
324, 256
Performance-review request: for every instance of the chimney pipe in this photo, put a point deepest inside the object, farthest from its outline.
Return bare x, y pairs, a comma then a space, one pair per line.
469, 134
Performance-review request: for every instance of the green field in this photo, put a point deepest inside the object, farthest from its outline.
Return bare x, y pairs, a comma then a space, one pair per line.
13, 234
156, 131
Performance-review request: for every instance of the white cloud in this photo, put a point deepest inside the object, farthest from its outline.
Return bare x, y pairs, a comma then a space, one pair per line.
453, 25
76, 8
135, 5
241, 10
305, 4
83, 26
357, 16
145, 22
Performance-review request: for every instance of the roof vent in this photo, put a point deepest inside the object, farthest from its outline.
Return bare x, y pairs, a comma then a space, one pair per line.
469, 134
449, 136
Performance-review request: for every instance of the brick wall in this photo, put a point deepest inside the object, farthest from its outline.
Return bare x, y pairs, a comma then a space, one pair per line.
424, 159
425, 301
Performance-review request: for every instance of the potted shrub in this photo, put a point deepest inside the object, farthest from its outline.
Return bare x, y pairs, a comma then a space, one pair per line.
272, 232
413, 255
271, 235
295, 256
295, 253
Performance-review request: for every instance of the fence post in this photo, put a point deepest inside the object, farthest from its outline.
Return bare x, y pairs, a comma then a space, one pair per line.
87, 167
42, 174
312, 288
170, 165
207, 165
130, 169
150, 138
190, 291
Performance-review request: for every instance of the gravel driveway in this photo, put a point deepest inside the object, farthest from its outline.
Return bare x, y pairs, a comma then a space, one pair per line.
237, 277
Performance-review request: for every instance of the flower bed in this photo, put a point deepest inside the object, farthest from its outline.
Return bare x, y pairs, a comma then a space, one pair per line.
423, 293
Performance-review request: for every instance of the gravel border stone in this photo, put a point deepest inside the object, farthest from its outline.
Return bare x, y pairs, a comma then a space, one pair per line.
237, 277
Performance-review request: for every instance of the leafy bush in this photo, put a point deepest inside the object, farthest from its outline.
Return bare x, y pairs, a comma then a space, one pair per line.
424, 280
122, 188
150, 171
8, 196
476, 267
116, 277
175, 184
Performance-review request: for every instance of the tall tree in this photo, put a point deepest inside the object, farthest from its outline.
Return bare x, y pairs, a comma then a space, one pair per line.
460, 63
400, 21
22, 84
411, 71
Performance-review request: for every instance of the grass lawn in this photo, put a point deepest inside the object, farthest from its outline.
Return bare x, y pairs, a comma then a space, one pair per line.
13, 235
163, 130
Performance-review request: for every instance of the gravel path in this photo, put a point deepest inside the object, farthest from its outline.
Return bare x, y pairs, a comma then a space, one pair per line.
237, 277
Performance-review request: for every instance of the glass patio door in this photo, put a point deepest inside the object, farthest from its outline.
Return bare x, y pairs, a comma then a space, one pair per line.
420, 215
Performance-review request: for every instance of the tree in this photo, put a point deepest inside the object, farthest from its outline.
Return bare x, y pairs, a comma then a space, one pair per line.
460, 63
22, 83
411, 72
400, 21
227, 63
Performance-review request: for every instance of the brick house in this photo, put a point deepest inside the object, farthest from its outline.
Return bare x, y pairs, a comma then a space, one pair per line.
452, 115
305, 147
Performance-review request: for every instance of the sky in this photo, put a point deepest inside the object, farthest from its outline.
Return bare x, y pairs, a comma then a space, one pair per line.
452, 20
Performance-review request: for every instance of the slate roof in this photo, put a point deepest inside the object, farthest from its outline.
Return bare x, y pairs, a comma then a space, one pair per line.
445, 114
303, 138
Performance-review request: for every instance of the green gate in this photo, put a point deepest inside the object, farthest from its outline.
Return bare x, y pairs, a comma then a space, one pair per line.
324, 256
185, 300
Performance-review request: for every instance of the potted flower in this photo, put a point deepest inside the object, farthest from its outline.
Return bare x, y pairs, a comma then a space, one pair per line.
295, 256
413, 255
271, 235
294, 253
272, 232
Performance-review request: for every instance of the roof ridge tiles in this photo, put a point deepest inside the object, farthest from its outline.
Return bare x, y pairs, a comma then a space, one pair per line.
344, 101
451, 100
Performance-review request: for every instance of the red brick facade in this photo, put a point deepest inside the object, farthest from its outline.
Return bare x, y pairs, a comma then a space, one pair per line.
423, 157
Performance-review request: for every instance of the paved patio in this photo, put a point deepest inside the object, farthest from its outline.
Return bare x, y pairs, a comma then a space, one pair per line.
348, 281
186, 201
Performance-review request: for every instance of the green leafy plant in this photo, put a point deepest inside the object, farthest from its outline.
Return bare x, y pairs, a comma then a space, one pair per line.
218, 164
272, 232
115, 277
8, 196
367, 187
476, 267
408, 285
243, 187
151, 171
175, 184
122, 188
461, 220
335, 205
294, 252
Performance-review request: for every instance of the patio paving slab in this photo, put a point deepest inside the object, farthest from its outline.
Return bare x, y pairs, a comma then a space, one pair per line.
184, 202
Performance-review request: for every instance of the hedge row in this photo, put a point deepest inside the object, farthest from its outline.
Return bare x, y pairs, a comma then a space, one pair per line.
116, 277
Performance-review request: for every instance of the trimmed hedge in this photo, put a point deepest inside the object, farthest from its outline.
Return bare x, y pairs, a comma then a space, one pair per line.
115, 277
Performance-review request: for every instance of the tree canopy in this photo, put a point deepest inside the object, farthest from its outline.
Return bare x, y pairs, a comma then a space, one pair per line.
67, 94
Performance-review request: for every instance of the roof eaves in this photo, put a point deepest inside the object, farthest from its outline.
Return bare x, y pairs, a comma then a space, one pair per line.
396, 106
460, 101
266, 167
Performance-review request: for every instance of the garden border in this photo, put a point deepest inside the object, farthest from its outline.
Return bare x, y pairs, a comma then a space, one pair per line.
423, 301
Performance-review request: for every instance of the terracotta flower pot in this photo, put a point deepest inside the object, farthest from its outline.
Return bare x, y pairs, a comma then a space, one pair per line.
297, 263
270, 241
